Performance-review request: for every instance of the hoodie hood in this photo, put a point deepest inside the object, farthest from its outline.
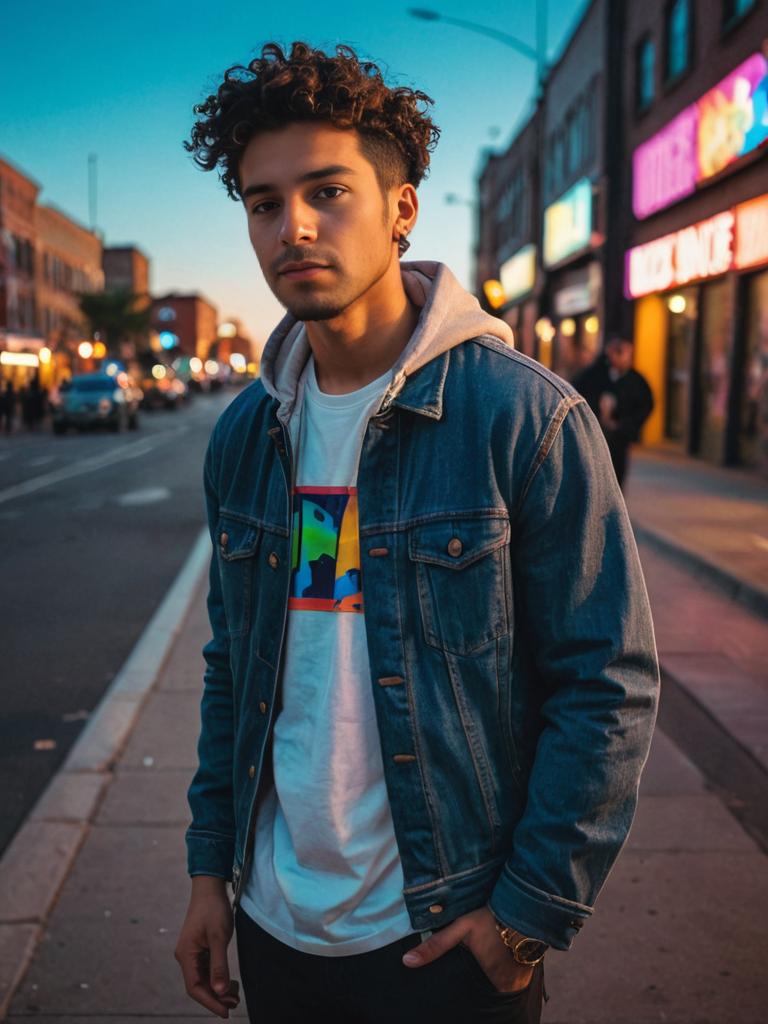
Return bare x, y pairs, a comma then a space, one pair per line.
449, 316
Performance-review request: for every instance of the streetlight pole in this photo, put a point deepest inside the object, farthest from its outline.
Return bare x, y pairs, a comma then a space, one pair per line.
537, 55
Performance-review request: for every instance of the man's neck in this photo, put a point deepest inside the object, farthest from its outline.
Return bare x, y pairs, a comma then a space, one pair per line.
364, 342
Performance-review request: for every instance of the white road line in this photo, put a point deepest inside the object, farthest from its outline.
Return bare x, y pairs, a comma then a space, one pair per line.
133, 450
42, 460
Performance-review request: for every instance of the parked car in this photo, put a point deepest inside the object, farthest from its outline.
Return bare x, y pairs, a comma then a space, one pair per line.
97, 399
169, 392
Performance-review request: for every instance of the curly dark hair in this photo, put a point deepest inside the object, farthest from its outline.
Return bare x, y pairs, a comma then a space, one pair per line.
277, 89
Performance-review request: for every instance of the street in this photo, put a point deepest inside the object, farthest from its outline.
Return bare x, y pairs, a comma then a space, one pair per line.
93, 528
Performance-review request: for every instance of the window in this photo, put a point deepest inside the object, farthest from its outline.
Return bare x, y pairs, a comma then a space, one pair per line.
645, 66
735, 9
678, 39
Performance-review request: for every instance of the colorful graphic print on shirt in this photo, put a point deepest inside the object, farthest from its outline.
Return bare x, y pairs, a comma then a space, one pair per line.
326, 551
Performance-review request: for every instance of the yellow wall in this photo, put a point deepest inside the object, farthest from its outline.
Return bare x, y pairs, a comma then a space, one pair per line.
650, 359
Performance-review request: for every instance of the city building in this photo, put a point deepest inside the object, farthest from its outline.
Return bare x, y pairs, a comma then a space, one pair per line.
573, 189
545, 260
508, 240
126, 268
184, 325
68, 263
20, 339
696, 227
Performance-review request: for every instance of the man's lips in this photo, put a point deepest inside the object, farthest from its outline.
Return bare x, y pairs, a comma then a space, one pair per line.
299, 271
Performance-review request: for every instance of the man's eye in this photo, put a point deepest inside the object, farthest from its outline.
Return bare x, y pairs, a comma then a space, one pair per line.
324, 192
264, 207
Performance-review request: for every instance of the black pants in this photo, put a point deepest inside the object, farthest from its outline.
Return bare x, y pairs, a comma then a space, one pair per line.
284, 986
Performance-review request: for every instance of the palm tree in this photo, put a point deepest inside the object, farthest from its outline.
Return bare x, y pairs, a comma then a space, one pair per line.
114, 316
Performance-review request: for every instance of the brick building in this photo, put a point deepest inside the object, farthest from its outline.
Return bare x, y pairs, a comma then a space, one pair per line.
509, 232
68, 262
20, 339
696, 223
186, 324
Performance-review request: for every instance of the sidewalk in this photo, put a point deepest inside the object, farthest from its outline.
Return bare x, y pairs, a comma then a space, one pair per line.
678, 931
712, 520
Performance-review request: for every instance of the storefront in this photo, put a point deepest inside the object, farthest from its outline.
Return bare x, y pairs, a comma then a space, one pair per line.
698, 277
569, 335
701, 334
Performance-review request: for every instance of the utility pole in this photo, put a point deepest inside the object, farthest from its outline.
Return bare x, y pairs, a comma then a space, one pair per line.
92, 158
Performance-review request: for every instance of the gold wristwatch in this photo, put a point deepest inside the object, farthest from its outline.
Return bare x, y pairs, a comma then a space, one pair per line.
525, 950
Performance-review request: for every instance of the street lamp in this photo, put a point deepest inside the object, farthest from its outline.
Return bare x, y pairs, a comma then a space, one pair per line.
537, 55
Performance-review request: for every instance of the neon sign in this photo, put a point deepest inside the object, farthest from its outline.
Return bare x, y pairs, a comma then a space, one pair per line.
726, 123
751, 233
518, 274
732, 240
568, 223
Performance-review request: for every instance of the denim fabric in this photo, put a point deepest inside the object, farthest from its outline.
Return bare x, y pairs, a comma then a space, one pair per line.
509, 634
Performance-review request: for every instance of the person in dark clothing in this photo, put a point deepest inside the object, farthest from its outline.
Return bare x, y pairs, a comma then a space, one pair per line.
620, 398
7, 407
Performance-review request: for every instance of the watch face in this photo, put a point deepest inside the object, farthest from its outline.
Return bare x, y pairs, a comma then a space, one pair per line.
529, 951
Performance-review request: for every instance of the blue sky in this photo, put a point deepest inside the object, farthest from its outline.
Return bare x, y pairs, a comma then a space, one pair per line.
120, 80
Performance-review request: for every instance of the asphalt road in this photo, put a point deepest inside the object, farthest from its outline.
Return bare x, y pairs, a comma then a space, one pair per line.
93, 529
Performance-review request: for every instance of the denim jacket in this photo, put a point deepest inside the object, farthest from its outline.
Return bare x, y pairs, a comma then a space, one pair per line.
509, 633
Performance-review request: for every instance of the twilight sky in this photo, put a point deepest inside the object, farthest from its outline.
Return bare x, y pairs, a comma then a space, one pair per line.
120, 80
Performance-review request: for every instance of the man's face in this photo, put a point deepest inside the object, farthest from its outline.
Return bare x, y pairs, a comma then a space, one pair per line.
317, 220
619, 355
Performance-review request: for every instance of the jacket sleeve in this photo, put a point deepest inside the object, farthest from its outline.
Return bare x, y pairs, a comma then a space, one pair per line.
582, 599
211, 835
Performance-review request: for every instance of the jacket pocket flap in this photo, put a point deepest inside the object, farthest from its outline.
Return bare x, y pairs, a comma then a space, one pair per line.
457, 543
236, 539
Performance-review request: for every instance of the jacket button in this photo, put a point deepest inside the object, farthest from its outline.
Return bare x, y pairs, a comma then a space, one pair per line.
378, 552
252, 772
224, 539
436, 908
263, 707
273, 560
455, 547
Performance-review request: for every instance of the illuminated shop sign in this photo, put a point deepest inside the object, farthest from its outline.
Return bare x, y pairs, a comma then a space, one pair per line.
518, 274
732, 240
725, 124
751, 234
568, 223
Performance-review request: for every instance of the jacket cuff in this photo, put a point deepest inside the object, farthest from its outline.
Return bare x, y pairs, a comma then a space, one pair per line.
539, 914
210, 854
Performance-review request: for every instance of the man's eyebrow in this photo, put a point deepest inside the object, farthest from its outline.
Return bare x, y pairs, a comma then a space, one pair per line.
321, 172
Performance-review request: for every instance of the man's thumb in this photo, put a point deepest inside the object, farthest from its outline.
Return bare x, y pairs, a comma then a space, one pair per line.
219, 966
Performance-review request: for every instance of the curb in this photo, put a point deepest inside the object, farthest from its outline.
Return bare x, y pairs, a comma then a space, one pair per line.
749, 595
39, 857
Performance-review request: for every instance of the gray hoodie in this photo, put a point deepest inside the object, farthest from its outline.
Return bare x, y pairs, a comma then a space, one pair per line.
449, 315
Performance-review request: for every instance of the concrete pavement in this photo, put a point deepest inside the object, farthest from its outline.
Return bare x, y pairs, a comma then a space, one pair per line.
678, 931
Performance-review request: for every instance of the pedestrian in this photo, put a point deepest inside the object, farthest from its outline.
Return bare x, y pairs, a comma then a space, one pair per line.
620, 397
431, 683
7, 407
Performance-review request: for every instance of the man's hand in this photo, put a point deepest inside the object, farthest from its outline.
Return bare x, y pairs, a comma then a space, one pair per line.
478, 933
202, 947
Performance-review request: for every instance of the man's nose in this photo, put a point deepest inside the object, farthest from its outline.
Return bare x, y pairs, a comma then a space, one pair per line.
298, 225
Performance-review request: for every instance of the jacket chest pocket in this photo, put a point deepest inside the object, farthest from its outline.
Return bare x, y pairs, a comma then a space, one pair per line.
461, 576
238, 547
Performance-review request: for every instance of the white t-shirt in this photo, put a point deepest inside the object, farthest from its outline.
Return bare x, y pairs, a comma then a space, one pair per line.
326, 875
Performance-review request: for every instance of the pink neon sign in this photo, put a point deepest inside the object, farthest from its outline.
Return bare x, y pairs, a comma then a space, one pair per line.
734, 239
727, 122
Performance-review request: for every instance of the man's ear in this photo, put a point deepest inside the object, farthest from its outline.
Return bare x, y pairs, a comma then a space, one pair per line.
406, 211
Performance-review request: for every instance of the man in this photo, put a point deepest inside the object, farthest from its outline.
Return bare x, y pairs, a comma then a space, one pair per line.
620, 397
432, 678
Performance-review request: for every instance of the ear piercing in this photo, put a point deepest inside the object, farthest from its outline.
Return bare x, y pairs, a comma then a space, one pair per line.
403, 245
